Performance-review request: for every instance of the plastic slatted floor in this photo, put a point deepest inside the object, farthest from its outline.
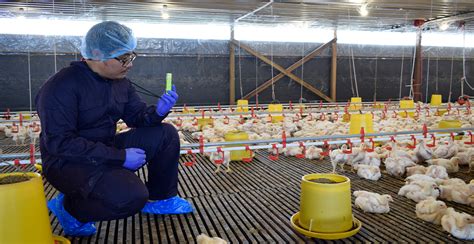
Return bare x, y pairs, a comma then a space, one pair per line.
254, 204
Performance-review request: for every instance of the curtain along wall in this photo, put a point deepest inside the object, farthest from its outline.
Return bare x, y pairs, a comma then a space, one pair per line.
201, 69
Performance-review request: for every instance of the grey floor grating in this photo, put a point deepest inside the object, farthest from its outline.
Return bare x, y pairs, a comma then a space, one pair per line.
253, 204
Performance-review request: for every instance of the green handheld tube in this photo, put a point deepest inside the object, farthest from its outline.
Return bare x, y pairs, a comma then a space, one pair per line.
169, 81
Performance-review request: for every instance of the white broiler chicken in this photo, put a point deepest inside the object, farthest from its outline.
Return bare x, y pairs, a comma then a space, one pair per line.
372, 159
419, 190
401, 153
460, 225
8, 131
368, 172
423, 152
313, 152
431, 210
358, 155
452, 181
292, 151
204, 239
446, 150
382, 152
22, 134
34, 132
437, 172
220, 158
417, 169
419, 177
338, 157
451, 165
396, 165
463, 194
372, 202
465, 156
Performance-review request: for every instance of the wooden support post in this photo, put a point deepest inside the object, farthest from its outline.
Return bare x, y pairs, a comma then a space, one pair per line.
284, 71
231, 69
334, 68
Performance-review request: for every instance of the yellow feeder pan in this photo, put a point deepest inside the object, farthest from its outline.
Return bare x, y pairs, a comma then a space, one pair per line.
436, 100
440, 112
238, 136
356, 225
188, 110
450, 124
204, 121
361, 120
300, 106
346, 117
25, 114
242, 105
325, 207
39, 167
276, 108
23, 209
356, 103
378, 105
410, 104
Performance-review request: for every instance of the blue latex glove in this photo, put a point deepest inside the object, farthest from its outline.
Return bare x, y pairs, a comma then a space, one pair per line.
166, 102
134, 158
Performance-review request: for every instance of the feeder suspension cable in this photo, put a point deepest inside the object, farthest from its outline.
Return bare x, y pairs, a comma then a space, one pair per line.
451, 77
29, 80
413, 70
355, 74
240, 73
427, 78
256, 80
375, 79
302, 73
401, 74
464, 77
351, 68
350, 76
437, 73
271, 56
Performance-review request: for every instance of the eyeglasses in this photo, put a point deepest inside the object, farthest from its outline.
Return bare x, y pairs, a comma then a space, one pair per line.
126, 59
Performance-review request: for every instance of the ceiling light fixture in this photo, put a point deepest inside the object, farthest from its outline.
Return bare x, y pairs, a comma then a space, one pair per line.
164, 12
363, 10
444, 26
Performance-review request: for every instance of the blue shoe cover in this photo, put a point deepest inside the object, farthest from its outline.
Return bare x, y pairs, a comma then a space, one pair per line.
173, 205
71, 226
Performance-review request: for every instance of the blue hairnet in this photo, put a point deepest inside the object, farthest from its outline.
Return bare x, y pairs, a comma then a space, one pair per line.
107, 40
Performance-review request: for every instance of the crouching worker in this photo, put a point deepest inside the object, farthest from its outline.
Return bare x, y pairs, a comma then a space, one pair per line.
92, 167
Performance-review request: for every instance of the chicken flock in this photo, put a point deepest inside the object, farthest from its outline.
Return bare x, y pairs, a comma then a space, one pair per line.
425, 167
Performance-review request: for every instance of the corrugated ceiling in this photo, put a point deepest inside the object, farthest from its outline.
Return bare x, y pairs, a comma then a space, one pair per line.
383, 14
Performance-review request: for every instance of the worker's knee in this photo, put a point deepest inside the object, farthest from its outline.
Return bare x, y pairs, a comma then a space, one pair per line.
130, 203
170, 131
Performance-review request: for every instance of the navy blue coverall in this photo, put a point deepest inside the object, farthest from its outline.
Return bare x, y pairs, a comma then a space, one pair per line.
82, 155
